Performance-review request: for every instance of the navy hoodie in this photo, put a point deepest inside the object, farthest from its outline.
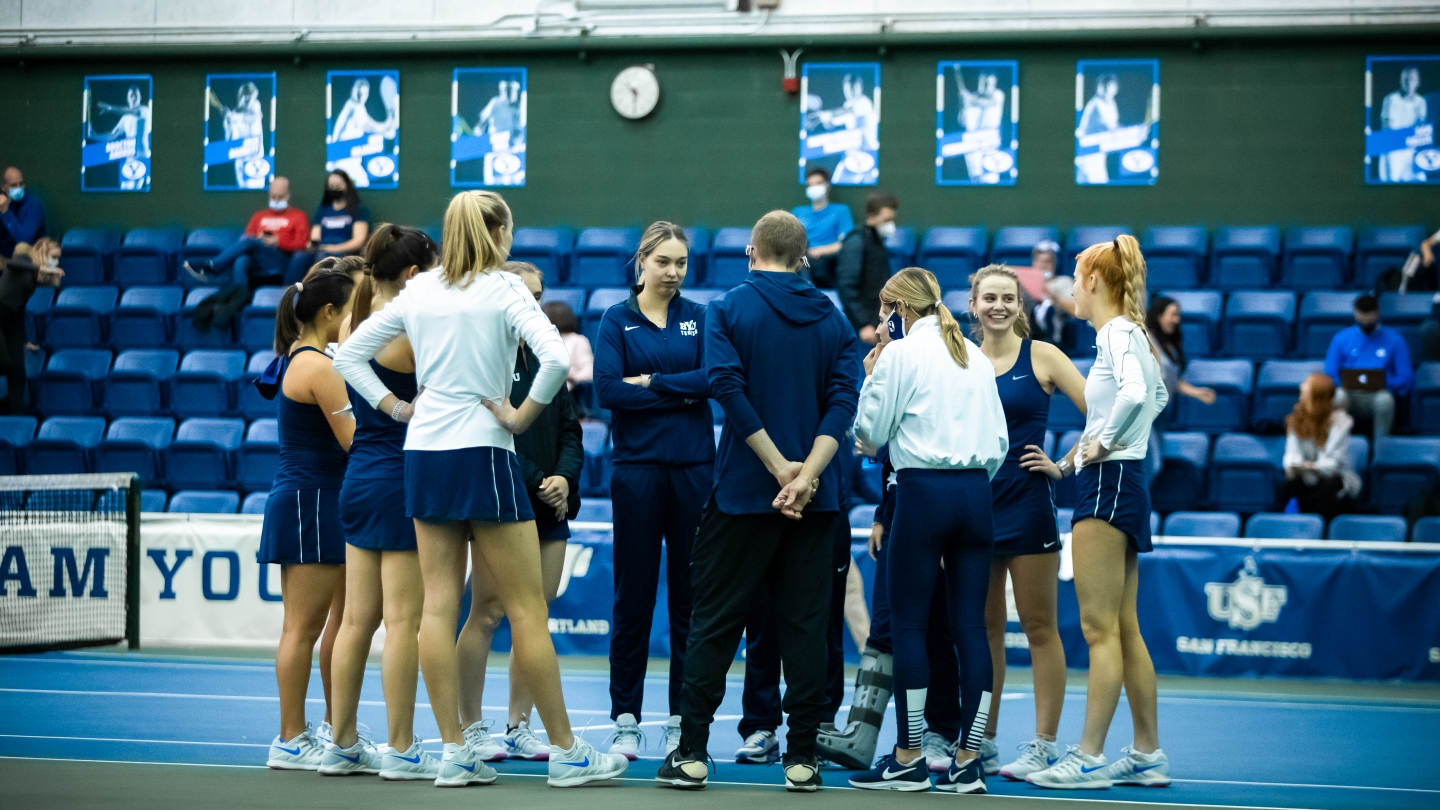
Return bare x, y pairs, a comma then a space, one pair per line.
669, 422
782, 358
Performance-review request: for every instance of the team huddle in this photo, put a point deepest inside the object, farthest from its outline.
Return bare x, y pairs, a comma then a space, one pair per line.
426, 427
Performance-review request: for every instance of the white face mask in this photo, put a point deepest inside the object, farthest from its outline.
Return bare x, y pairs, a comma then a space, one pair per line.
279, 205
885, 229
816, 193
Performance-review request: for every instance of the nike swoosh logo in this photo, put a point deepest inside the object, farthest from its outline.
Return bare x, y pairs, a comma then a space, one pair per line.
355, 759
294, 753
1021, 377
628, 328
470, 768
1084, 769
993, 756
888, 775
1145, 768
584, 763
1053, 543
413, 760
842, 569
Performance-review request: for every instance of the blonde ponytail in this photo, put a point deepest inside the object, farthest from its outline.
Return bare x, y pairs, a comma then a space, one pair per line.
1122, 267
476, 236
917, 289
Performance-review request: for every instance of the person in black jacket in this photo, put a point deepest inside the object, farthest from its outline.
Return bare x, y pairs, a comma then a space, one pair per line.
18, 279
863, 266
551, 455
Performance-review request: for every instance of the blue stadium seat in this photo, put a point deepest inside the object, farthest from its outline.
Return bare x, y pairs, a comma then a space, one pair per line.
1083, 236
1202, 524
1281, 526
703, 297
1258, 324
596, 438
728, 265
574, 298
1012, 245
1232, 381
87, 255
1199, 319
1381, 248
834, 297
142, 321
134, 445
202, 454
699, 239
958, 302
546, 248
259, 457
952, 254
203, 384
15, 433
1426, 530
1181, 482
254, 503
257, 321
862, 516
902, 245
1243, 258
1402, 468
135, 385
248, 402
153, 500
79, 316
205, 502
1244, 471
1359, 455
602, 257
600, 300
1317, 258
187, 337
1277, 389
147, 256
70, 384
595, 510
40, 302
204, 243
63, 445
1322, 314
1425, 408
1384, 528
1175, 256
1063, 414
1062, 520
1405, 314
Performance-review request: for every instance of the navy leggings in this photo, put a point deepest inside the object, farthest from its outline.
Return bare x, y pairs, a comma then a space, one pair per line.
940, 515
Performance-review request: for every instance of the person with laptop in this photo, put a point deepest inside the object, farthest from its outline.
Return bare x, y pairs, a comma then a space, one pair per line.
1370, 364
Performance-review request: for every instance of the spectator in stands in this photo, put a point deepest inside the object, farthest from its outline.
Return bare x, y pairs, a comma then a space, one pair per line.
18, 279
340, 227
22, 219
271, 239
1317, 451
863, 264
1371, 365
1058, 308
1162, 322
582, 357
826, 225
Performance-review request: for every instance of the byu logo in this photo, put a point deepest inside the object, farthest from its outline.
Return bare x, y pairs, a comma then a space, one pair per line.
1247, 602
687, 328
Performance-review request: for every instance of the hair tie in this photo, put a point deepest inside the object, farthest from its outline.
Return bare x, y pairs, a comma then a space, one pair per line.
299, 287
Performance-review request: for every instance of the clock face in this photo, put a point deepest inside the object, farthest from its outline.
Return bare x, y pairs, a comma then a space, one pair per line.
635, 92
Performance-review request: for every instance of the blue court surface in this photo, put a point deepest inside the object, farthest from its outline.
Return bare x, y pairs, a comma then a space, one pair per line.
1329, 748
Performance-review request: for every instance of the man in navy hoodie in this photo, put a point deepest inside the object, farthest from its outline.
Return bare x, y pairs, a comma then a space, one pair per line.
784, 364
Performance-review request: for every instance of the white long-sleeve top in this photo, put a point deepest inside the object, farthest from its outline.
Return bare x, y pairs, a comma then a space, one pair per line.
1125, 390
465, 341
1331, 459
934, 414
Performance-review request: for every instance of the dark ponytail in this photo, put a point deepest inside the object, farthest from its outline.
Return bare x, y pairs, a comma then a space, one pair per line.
391, 250
303, 300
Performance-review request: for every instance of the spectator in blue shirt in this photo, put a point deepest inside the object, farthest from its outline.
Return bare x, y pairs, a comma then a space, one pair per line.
21, 217
340, 227
1369, 346
825, 224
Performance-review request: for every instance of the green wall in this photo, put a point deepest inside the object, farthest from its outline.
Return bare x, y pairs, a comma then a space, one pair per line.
1251, 132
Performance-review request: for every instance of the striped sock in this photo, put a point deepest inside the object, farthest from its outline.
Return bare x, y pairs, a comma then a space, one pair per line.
915, 715
977, 727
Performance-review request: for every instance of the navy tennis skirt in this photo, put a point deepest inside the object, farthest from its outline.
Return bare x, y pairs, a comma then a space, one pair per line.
302, 527
373, 513
472, 483
1024, 510
1115, 492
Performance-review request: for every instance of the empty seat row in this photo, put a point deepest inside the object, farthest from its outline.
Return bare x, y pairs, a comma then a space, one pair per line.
140, 256
147, 317
1282, 526
153, 382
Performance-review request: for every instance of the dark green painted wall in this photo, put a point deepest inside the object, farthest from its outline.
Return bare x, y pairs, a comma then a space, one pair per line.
1251, 132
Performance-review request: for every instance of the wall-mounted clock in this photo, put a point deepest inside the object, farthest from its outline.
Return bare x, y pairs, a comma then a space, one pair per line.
635, 91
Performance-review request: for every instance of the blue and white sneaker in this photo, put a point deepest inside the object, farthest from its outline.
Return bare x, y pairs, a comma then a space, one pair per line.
459, 766
521, 743
412, 764
358, 758
965, 777
297, 754
1135, 768
889, 774
990, 756
1036, 756
672, 734
938, 751
628, 739
582, 764
1076, 770
324, 734
760, 748
477, 736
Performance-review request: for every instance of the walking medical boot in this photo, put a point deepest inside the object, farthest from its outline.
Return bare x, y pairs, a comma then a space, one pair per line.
854, 746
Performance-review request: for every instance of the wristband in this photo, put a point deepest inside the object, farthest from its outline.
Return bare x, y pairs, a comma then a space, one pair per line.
1064, 466
395, 411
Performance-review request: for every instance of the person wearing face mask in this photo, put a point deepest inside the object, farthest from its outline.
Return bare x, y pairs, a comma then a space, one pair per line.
22, 219
1370, 365
826, 225
272, 237
863, 265
341, 226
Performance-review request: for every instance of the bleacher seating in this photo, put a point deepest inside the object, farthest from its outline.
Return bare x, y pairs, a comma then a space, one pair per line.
1405, 314
1062, 520
902, 245
259, 456
203, 384
602, 257
1368, 527
572, 297
1317, 258
204, 502
1322, 314
39, 304
1013, 245
1175, 256
203, 243
600, 300
1425, 406
15, 433
248, 402
63, 444
1063, 413
1258, 323
147, 256
254, 503
1202, 524
79, 317
201, 455
257, 321
1232, 381
699, 239
728, 265
136, 383
1381, 248
1180, 486
1426, 530
153, 500
1200, 314
142, 321
546, 248
187, 337
1281, 526
862, 516
135, 444
1244, 471
70, 383
1079, 238
88, 254
1402, 468
1065, 489
596, 472
952, 254
1277, 389
1244, 258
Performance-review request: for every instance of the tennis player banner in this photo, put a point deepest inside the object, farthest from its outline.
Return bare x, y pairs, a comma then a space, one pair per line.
1401, 98
840, 121
1117, 122
487, 135
239, 131
115, 133
977, 114
362, 115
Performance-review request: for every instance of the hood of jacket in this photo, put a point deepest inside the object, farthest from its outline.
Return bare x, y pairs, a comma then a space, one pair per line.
792, 296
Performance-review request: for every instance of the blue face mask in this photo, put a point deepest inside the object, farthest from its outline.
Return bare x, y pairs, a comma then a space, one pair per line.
895, 325
17, 193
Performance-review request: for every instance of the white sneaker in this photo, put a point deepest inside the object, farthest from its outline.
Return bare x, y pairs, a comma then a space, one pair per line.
672, 734
582, 764
297, 754
522, 743
760, 748
412, 764
1038, 755
990, 756
937, 751
628, 738
1135, 768
477, 736
324, 734
459, 766
358, 758
1077, 770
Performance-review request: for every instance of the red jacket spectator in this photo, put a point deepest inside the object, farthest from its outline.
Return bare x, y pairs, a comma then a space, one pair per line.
290, 226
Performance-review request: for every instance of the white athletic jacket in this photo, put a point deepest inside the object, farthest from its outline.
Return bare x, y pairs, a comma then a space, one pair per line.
1124, 392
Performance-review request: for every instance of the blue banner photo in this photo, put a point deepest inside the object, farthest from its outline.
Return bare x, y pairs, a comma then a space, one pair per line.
1400, 120
115, 133
840, 121
977, 121
1117, 122
488, 127
239, 131
362, 115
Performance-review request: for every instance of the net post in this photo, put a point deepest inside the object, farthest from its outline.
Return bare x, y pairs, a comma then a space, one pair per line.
132, 563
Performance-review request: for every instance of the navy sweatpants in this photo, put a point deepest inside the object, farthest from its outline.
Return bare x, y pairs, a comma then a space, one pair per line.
652, 503
940, 515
